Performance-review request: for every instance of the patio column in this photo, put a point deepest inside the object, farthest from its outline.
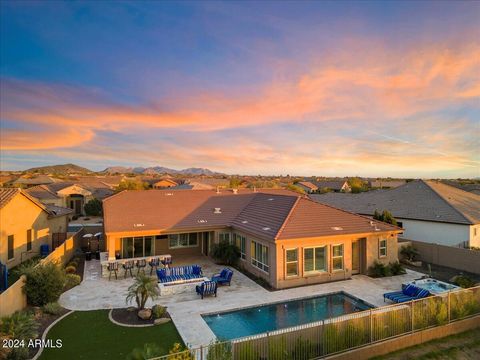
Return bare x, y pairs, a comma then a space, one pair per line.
111, 247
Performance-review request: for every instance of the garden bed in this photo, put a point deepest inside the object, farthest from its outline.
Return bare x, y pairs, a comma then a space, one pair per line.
128, 316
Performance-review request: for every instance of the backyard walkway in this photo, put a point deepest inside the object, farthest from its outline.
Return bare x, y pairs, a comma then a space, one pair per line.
186, 308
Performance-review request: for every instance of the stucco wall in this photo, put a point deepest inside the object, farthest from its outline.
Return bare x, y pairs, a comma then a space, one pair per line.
436, 232
475, 235
19, 215
13, 299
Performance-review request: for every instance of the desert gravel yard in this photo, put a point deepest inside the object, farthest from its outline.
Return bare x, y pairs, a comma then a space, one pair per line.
463, 346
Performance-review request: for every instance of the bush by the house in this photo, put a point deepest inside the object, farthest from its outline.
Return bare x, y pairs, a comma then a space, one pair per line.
409, 252
225, 253
44, 283
177, 352
52, 308
381, 270
72, 280
94, 208
70, 269
20, 325
158, 311
73, 263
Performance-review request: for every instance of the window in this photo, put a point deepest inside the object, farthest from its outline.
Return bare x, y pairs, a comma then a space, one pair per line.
224, 237
315, 259
259, 255
139, 246
337, 257
10, 247
382, 248
240, 241
182, 240
291, 262
29, 239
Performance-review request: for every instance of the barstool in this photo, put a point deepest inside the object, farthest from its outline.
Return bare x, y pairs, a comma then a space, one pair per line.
166, 261
141, 264
154, 262
128, 265
112, 267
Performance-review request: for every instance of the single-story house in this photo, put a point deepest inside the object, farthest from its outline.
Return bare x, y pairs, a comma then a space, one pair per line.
334, 185
25, 224
286, 239
164, 183
307, 186
429, 211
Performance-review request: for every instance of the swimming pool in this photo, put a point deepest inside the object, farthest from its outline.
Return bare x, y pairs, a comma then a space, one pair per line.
260, 319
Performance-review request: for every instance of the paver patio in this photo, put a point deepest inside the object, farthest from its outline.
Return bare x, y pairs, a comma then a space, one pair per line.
185, 309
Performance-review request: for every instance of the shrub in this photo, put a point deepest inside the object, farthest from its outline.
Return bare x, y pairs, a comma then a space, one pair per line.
177, 352
72, 280
396, 268
70, 269
20, 325
386, 216
93, 208
225, 253
409, 252
44, 283
378, 270
464, 281
158, 311
73, 263
149, 351
219, 351
52, 308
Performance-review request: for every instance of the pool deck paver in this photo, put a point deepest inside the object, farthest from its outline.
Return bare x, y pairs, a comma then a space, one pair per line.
186, 309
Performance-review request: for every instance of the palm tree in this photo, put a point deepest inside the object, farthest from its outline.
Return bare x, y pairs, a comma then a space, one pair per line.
142, 289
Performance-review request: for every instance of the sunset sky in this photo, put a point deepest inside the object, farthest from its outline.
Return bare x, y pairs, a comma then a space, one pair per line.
306, 88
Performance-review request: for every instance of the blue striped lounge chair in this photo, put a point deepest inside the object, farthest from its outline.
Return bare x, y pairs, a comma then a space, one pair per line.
225, 277
409, 293
207, 288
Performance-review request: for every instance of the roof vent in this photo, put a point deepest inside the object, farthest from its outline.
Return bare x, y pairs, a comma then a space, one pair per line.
138, 225
337, 228
202, 221
244, 222
235, 191
270, 199
168, 194
217, 211
371, 223
266, 228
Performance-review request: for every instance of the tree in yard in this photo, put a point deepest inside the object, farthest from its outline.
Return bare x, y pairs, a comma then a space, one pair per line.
141, 290
357, 185
132, 185
94, 208
386, 216
225, 253
295, 188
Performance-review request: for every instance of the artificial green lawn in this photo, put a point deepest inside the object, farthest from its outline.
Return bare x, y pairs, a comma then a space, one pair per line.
91, 335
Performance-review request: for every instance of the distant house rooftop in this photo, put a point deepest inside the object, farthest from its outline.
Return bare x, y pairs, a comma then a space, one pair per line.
420, 200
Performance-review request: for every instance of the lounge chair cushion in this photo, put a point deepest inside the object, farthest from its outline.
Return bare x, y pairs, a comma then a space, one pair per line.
179, 274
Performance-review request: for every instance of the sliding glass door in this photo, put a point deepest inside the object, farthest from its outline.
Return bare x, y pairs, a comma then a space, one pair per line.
139, 246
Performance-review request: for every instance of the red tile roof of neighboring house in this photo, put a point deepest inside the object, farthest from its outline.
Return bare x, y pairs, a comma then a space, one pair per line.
7, 194
266, 215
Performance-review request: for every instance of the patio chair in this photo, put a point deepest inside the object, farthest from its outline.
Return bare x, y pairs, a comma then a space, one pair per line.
112, 268
141, 264
207, 288
128, 266
166, 261
224, 277
154, 263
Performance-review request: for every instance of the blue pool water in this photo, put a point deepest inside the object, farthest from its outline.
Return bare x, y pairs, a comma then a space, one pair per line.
260, 319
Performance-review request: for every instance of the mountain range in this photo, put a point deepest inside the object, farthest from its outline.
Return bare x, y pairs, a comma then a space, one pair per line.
154, 170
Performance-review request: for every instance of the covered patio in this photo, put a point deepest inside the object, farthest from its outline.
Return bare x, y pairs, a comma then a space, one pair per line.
186, 308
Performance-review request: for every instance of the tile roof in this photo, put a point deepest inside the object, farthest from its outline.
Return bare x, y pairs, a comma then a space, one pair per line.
266, 215
58, 210
308, 185
331, 184
7, 194
42, 192
420, 200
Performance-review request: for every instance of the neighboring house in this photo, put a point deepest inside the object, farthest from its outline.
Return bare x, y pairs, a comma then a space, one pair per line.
386, 184
70, 195
429, 211
26, 182
288, 240
25, 224
210, 183
307, 186
164, 183
334, 185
